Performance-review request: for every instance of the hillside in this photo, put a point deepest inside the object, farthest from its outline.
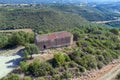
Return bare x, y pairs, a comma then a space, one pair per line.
39, 18
55, 15
95, 45
88, 12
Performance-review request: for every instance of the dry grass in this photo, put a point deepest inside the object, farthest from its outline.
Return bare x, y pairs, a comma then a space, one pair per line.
16, 30
48, 54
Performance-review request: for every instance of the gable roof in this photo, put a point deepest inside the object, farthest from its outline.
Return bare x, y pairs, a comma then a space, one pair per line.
52, 36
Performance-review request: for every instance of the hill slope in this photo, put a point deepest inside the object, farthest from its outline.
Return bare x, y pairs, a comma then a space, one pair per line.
89, 13
39, 18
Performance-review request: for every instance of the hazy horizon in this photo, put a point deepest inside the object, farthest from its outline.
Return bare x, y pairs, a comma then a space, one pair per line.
54, 1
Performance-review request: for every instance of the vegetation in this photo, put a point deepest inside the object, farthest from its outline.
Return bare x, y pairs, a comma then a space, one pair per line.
118, 77
30, 49
11, 77
15, 39
88, 12
95, 46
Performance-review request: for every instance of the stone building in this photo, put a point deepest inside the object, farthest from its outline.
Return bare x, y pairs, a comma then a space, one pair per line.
53, 40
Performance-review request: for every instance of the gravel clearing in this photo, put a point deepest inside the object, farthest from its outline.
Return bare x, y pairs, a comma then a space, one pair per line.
9, 60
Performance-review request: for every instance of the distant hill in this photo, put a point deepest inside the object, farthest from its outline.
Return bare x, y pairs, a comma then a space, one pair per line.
56, 16
39, 19
97, 13
54, 1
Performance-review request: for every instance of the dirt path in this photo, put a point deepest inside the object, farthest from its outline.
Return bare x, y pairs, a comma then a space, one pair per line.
9, 60
103, 22
108, 72
111, 74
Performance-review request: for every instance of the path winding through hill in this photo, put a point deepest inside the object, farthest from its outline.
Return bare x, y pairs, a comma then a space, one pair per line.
111, 74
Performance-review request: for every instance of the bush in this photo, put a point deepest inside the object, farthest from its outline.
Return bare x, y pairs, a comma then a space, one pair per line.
40, 69
89, 61
13, 77
56, 78
66, 75
118, 77
67, 58
4, 78
27, 78
100, 65
41, 78
72, 64
107, 57
58, 59
81, 68
23, 66
114, 31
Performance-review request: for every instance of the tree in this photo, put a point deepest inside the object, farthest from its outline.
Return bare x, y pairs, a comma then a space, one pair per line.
25, 54
31, 49
3, 40
114, 31
23, 66
59, 59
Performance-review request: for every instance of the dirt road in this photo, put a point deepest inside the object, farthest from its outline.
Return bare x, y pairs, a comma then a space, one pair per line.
103, 22
9, 60
108, 72
111, 74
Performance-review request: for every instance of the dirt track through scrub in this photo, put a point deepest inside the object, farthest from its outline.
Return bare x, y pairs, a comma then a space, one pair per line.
108, 72
111, 74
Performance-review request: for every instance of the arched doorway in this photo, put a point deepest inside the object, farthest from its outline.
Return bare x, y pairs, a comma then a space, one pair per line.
44, 46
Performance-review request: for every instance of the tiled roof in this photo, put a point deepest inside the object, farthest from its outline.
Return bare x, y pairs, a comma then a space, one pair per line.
52, 36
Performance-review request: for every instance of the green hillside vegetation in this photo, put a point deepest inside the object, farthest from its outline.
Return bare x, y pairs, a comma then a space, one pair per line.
90, 13
42, 17
95, 48
96, 45
15, 39
45, 19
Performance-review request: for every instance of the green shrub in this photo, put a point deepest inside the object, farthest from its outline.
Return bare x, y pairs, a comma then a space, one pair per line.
66, 75
56, 78
114, 31
4, 78
100, 65
58, 59
41, 78
27, 78
40, 69
67, 58
72, 64
13, 77
23, 66
81, 68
